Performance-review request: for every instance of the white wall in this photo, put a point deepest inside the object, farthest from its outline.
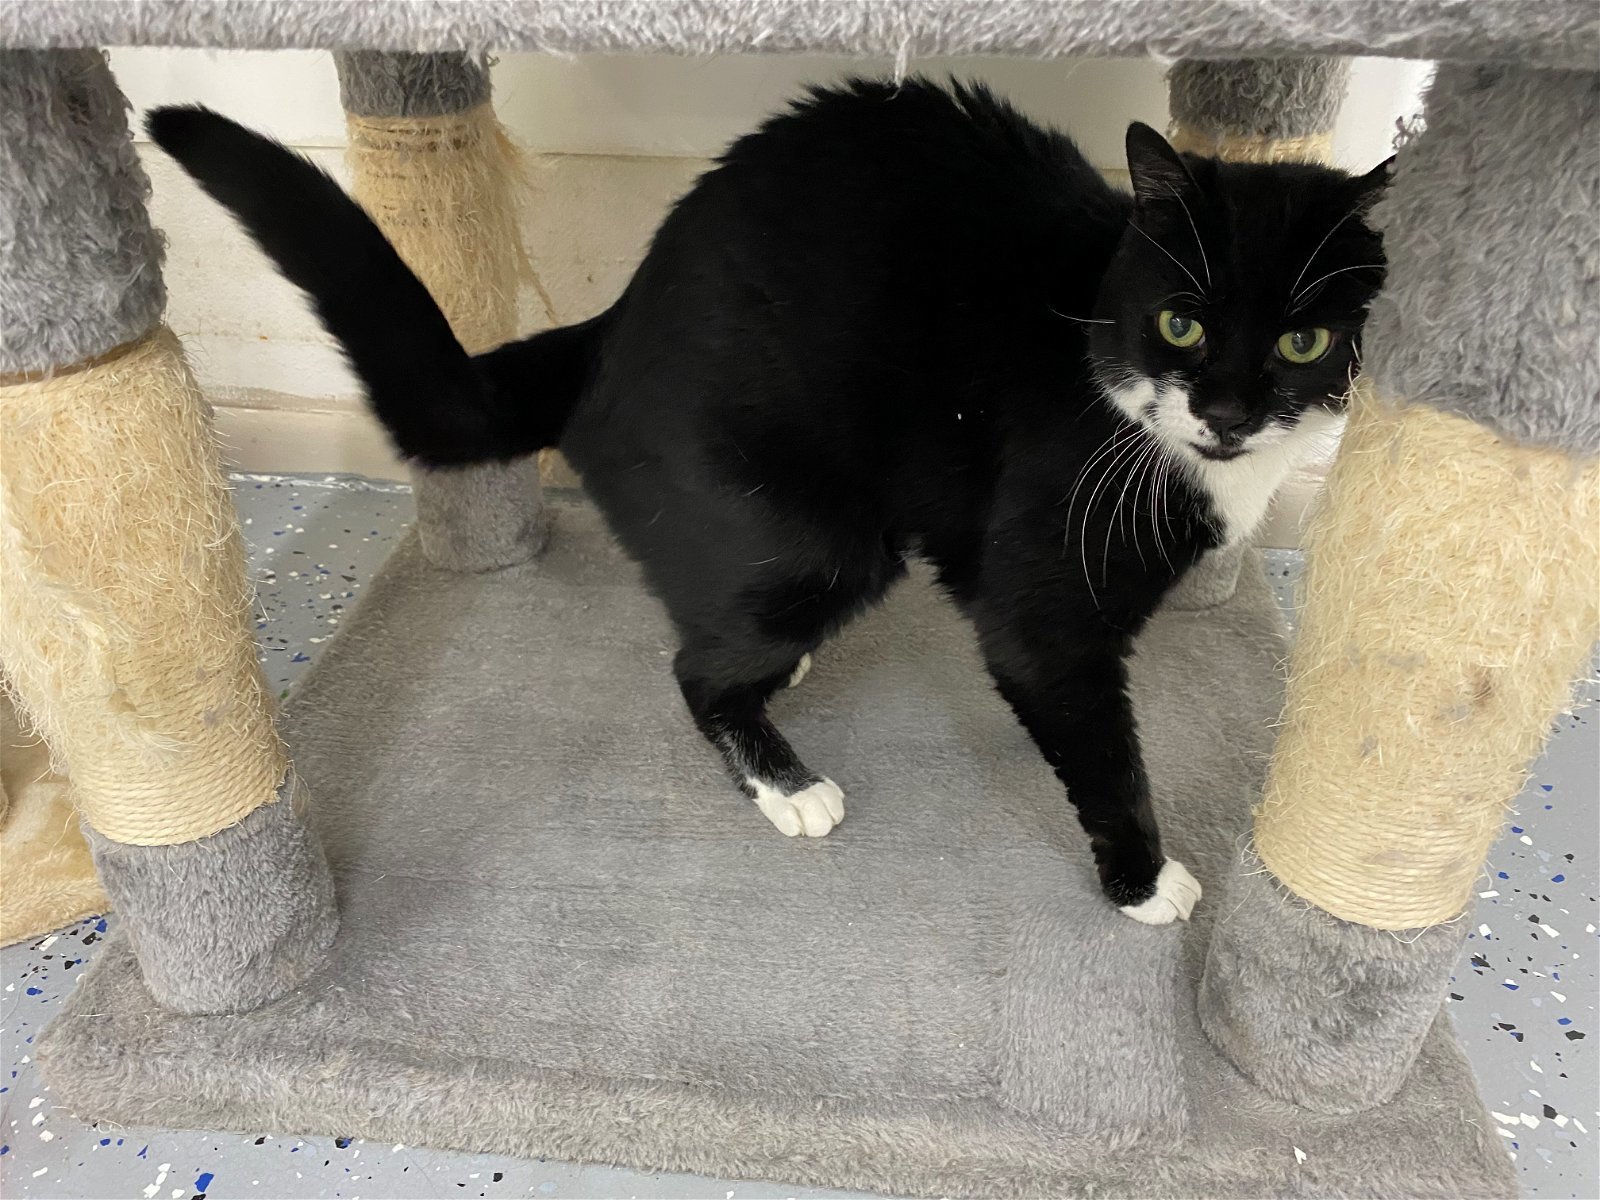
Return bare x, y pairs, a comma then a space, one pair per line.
692, 107
614, 140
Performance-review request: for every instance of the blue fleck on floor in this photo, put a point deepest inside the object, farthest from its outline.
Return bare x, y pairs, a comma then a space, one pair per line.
1523, 998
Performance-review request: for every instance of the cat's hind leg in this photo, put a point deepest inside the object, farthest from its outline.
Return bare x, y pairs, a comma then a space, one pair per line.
747, 632
727, 688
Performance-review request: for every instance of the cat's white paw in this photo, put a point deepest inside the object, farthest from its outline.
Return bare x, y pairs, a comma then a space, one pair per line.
800, 670
1176, 893
813, 811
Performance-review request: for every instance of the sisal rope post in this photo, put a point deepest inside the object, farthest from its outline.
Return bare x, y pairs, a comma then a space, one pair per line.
435, 169
125, 600
124, 604
1450, 600
1253, 147
1452, 596
440, 188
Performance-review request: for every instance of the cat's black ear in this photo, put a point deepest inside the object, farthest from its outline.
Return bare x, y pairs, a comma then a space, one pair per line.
1370, 187
1157, 171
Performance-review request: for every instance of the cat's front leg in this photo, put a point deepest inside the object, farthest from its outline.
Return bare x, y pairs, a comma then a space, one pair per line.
1069, 688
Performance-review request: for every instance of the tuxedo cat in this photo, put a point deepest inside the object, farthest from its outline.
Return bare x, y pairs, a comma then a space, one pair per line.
896, 321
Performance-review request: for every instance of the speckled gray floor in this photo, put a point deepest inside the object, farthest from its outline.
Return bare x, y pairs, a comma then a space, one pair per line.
1523, 998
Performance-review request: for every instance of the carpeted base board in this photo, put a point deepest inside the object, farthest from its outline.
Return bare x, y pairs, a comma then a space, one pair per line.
565, 935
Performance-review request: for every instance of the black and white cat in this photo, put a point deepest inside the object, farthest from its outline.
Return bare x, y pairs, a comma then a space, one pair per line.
896, 321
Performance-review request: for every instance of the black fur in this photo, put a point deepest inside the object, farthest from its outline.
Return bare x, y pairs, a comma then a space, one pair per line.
879, 328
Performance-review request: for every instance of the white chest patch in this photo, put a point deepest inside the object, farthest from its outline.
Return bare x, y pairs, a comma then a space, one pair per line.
1240, 489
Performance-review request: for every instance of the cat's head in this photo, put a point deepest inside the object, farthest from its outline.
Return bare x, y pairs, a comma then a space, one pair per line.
1230, 318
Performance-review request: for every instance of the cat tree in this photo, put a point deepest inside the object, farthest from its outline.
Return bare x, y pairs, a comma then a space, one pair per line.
1453, 578
1450, 602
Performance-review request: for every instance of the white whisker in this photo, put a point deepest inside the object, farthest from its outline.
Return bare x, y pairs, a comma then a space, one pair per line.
1138, 477
1081, 320
1161, 503
1147, 483
1134, 226
1131, 447
1106, 447
1114, 523
1118, 521
1295, 302
1093, 458
1198, 244
1114, 446
1294, 287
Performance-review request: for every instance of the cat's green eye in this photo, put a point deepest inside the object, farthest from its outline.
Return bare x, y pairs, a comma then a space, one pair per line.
1302, 346
1183, 332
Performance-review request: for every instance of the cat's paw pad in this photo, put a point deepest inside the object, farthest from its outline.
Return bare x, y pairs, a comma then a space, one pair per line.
799, 672
812, 811
1174, 899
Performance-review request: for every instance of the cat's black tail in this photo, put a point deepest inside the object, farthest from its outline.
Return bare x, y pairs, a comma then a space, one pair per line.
440, 405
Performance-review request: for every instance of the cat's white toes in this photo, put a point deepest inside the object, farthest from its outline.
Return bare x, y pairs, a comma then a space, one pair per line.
800, 670
1176, 893
812, 811
821, 807
780, 812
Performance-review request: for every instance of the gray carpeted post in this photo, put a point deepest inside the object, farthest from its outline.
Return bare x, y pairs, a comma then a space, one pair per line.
377, 83
437, 173
481, 518
73, 195
229, 922
1323, 1013
1473, 461
1497, 323
124, 615
1258, 109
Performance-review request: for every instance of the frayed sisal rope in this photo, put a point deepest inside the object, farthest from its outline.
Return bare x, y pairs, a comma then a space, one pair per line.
124, 605
1452, 596
1253, 147
442, 190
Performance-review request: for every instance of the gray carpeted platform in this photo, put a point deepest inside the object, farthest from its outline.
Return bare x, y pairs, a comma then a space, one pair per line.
564, 934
